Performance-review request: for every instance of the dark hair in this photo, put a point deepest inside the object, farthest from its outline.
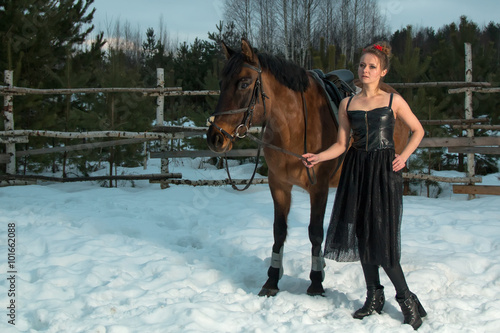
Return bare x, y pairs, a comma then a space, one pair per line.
286, 72
382, 50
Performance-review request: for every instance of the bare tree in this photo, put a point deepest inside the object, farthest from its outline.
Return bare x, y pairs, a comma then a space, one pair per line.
327, 22
294, 27
267, 23
170, 44
354, 34
286, 37
310, 13
240, 12
345, 26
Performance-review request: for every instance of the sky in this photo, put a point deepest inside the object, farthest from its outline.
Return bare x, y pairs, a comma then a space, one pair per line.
437, 13
183, 19
187, 19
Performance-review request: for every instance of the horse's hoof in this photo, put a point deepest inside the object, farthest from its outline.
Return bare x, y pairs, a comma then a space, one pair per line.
316, 291
268, 292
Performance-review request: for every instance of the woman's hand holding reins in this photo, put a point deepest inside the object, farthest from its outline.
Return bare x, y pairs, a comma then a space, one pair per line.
310, 160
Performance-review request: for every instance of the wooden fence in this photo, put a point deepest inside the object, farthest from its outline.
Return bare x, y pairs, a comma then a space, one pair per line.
10, 136
468, 145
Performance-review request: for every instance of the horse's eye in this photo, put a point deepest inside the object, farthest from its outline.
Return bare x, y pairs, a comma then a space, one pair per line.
243, 84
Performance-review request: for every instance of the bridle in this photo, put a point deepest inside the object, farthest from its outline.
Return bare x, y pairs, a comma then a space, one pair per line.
248, 116
246, 123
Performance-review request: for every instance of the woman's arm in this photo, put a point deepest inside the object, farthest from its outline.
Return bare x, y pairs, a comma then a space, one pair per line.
402, 110
338, 147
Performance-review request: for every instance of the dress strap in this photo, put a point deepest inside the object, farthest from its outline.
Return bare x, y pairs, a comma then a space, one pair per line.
390, 101
349, 102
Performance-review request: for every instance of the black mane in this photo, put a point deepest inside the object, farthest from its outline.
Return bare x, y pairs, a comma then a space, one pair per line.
286, 72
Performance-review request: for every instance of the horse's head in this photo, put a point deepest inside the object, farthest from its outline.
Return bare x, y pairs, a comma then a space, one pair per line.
241, 100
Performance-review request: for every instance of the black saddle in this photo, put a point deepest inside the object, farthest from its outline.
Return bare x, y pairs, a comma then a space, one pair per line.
337, 84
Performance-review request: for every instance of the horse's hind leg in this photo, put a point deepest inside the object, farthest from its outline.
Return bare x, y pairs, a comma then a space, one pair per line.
318, 198
282, 198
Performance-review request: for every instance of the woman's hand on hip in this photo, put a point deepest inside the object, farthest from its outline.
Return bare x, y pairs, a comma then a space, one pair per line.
398, 163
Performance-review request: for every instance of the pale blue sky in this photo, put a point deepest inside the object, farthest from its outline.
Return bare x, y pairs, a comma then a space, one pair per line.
183, 19
187, 19
436, 13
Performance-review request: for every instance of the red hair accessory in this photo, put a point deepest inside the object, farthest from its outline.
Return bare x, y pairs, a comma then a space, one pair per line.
378, 47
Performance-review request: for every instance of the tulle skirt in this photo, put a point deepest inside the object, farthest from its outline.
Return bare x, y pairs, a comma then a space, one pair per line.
365, 223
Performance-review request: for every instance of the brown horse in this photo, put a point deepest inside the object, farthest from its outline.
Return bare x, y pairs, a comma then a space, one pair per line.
263, 89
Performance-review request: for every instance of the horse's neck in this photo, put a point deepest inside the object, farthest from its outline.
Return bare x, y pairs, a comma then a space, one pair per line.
285, 116
291, 113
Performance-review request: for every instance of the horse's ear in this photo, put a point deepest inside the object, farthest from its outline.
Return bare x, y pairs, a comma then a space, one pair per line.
227, 51
247, 50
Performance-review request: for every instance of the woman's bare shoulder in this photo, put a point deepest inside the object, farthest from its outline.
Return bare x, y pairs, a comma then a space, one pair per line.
398, 100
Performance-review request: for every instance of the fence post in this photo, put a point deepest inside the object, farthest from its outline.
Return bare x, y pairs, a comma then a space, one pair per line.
8, 113
160, 100
160, 117
471, 164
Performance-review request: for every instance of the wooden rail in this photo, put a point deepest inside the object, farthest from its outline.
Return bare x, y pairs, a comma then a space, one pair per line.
92, 134
10, 137
155, 177
476, 189
460, 142
475, 150
204, 153
443, 84
483, 127
202, 182
454, 121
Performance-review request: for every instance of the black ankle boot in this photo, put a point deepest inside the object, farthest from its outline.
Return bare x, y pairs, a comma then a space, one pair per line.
375, 301
413, 311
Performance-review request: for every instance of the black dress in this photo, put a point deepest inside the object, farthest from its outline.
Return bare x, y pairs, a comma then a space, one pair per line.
366, 217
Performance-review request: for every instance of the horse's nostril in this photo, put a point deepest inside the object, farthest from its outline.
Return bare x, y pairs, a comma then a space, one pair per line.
218, 140
215, 140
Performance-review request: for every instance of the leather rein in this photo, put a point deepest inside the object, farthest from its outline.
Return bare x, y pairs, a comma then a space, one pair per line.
242, 130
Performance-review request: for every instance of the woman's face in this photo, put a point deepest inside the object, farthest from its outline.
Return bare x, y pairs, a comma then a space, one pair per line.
369, 70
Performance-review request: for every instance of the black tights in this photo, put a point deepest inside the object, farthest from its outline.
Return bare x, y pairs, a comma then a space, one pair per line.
395, 274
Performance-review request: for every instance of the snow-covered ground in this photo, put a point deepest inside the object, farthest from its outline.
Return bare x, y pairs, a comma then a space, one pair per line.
192, 259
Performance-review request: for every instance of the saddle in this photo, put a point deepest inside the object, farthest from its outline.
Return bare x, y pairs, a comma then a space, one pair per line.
337, 85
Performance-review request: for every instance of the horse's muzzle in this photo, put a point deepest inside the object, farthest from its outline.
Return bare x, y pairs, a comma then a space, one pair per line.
217, 142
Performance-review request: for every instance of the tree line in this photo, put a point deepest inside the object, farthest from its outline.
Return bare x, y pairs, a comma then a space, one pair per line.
292, 27
55, 45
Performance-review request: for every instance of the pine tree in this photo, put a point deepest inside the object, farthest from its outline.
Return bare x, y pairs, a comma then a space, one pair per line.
123, 111
36, 38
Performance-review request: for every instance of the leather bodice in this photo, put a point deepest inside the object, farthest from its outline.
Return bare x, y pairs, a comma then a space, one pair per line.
372, 130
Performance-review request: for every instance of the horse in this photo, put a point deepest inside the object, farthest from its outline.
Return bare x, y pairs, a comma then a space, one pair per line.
258, 88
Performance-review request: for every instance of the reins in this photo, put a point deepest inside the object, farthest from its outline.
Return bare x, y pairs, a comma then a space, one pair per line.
247, 123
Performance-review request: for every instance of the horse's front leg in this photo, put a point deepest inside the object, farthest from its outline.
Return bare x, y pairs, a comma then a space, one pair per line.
318, 196
282, 197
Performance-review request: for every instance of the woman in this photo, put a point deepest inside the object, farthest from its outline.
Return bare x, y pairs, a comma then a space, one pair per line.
366, 218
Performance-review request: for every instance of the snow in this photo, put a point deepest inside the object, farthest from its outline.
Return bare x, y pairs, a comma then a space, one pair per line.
193, 259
